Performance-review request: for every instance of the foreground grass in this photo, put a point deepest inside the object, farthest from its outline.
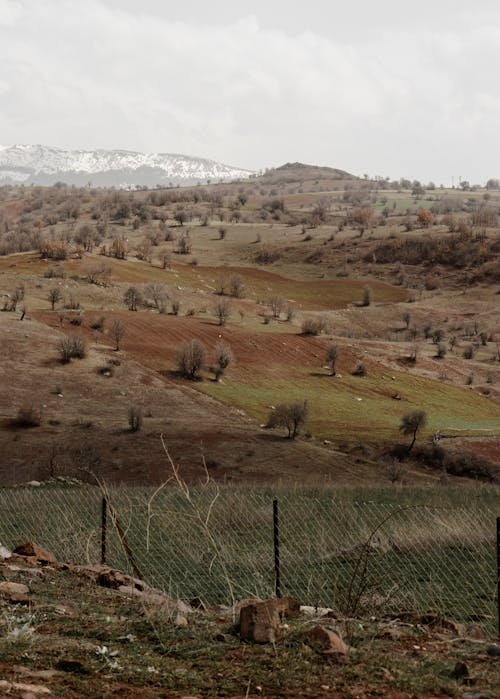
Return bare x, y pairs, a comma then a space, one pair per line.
111, 645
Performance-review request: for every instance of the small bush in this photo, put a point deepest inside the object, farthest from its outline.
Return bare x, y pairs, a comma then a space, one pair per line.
135, 418
28, 416
314, 326
360, 370
71, 347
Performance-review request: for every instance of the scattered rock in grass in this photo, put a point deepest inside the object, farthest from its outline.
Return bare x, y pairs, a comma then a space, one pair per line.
34, 689
12, 588
494, 650
260, 621
32, 550
4, 552
328, 642
476, 632
180, 621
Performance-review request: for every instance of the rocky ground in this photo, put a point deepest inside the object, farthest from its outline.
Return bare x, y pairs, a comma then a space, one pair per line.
90, 631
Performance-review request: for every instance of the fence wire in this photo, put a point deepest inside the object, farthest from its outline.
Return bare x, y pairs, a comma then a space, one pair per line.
361, 559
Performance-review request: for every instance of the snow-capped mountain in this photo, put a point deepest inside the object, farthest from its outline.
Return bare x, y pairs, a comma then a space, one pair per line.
26, 164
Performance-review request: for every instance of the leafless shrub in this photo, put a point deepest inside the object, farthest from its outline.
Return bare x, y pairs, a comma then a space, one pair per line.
314, 325
135, 418
28, 416
360, 370
98, 324
71, 348
469, 352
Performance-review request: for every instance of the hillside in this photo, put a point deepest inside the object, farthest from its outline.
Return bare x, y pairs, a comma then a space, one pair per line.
275, 271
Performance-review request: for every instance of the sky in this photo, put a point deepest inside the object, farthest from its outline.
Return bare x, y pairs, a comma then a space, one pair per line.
390, 88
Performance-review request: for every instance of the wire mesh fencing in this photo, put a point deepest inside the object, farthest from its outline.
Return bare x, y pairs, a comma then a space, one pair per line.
218, 545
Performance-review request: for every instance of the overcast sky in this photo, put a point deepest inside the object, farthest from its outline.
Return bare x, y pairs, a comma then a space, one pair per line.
392, 88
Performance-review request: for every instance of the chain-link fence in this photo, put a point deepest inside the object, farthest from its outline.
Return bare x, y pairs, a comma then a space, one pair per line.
218, 545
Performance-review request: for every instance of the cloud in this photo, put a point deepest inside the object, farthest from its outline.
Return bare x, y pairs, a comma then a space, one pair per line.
395, 100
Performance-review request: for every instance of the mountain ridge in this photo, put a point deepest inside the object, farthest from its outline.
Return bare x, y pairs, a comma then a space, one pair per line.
38, 164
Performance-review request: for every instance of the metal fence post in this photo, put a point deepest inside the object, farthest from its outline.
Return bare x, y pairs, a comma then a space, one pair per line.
498, 573
104, 530
276, 548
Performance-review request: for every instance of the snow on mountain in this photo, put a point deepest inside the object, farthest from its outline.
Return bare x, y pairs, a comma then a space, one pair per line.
44, 165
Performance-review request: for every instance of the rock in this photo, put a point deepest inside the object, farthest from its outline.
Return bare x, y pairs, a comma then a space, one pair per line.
113, 579
66, 608
32, 550
475, 695
4, 552
224, 638
288, 606
493, 650
475, 631
328, 642
34, 484
180, 621
260, 621
28, 689
13, 588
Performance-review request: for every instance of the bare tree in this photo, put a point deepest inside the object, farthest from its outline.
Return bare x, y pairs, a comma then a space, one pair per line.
157, 291
367, 296
54, 296
117, 330
132, 298
135, 418
276, 303
293, 416
71, 347
332, 354
191, 359
222, 309
411, 423
223, 358
237, 286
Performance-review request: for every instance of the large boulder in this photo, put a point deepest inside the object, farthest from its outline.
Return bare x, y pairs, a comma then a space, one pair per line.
34, 551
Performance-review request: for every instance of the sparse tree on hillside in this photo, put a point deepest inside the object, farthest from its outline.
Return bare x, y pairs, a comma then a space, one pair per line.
425, 217
158, 293
223, 358
332, 354
367, 296
411, 423
237, 286
132, 298
54, 296
135, 418
222, 309
293, 416
191, 359
117, 330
